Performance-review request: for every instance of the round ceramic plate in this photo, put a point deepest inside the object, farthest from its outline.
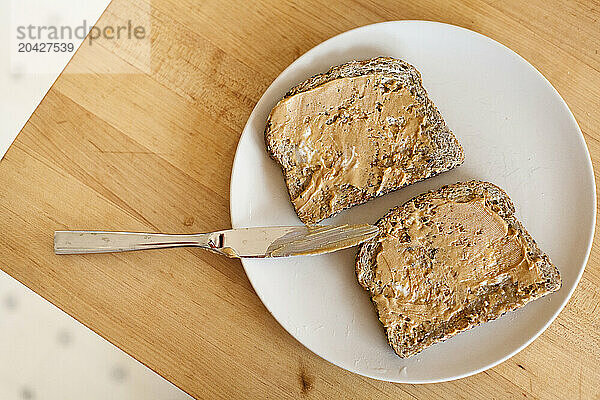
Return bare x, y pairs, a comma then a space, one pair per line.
517, 132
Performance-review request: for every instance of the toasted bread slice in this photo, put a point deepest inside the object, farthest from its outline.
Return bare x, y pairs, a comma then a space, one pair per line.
448, 260
358, 131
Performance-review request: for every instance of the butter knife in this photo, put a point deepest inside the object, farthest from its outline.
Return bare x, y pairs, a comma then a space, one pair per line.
279, 241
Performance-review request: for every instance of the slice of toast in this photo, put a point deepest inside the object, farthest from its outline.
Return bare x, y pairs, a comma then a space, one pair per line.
448, 260
355, 132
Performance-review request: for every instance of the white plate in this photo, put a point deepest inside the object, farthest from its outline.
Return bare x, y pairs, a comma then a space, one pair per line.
517, 132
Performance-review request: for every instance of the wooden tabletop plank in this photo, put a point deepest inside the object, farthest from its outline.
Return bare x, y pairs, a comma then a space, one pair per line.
151, 148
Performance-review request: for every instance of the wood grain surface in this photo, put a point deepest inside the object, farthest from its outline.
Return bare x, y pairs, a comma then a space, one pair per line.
153, 149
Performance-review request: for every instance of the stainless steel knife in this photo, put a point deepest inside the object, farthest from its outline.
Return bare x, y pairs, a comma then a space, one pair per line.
279, 241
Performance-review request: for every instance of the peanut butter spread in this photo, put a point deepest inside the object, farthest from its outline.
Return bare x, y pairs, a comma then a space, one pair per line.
454, 250
363, 131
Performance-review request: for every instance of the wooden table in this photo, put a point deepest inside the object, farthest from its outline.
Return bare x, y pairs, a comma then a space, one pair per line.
153, 151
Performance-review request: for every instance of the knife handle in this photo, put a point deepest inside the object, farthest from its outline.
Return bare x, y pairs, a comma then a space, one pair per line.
82, 242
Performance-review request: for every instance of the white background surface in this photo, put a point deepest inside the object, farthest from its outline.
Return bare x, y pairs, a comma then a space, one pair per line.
44, 353
516, 131
21, 92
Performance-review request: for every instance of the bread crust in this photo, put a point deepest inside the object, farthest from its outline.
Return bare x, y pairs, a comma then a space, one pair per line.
483, 308
445, 153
